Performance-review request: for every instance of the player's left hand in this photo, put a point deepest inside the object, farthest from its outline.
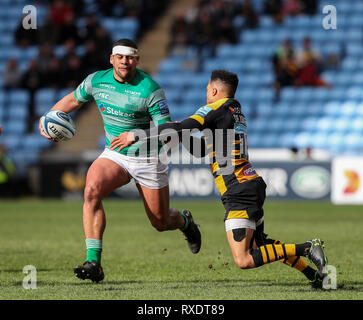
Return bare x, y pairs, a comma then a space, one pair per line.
122, 141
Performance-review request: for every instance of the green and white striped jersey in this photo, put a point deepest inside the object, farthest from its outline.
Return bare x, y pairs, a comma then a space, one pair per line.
125, 106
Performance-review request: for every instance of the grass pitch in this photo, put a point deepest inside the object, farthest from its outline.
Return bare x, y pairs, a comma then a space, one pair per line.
141, 263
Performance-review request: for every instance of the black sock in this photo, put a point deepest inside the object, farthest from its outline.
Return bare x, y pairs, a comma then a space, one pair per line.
303, 249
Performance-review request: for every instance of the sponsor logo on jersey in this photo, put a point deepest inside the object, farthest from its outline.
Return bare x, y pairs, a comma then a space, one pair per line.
108, 86
248, 170
104, 95
203, 111
132, 92
101, 107
163, 105
119, 113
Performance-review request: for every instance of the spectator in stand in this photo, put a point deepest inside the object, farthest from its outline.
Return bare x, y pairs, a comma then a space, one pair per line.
224, 14
25, 37
308, 62
111, 8
273, 8
179, 33
68, 30
7, 174
88, 32
44, 59
281, 55
310, 7
292, 8
91, 59
54, 75
104, 45
285, 67
249, 15
74, 72
31, 79
204, 33
59, 12
11, 75
70, 50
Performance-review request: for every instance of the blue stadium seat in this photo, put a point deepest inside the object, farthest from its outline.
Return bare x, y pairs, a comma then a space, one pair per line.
348, 108
18, 111
357, 125
288, 94
173, 95
62, 93
41, 108
12, 141
287, 140
303, 139
292, 124
354, 49
309, 124
194, 97
319, 140
342, 124
18, 96
332, 108
326, 123
35, 141
129, 24
17, 127
45, 96
170, 65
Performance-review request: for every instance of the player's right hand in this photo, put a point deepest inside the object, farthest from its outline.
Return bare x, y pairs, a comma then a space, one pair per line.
42, 132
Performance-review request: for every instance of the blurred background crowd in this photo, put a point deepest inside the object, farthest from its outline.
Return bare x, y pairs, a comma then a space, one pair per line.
295, 76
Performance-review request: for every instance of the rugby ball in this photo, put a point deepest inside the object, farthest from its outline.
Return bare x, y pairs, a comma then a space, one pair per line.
58, 125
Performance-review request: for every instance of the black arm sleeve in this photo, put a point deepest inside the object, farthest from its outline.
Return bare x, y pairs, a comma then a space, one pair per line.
165, 132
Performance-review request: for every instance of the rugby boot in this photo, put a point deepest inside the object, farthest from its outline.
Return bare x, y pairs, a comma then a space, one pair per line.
317, 283
90, 270
191, 232
316, 255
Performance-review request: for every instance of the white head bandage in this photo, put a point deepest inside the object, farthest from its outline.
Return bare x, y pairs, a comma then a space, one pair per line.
125, 51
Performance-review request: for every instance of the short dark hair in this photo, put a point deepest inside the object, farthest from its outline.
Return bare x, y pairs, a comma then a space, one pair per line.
228, 78
125, 42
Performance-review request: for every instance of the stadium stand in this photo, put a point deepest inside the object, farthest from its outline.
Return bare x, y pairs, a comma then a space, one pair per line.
61, 44
303, 116
299, 116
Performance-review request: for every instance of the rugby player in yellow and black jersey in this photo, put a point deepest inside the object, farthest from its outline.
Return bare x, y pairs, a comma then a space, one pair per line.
242, 189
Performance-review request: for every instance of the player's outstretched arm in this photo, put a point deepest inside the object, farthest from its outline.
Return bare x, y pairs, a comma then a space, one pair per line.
67, 104
125, 139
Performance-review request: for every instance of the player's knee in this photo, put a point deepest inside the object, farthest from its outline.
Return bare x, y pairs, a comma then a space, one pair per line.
243, 262
92, 193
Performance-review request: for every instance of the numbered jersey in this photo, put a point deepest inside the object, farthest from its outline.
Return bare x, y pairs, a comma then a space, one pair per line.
125, 106
225, 132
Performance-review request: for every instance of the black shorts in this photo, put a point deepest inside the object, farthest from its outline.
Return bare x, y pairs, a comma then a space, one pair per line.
245, 200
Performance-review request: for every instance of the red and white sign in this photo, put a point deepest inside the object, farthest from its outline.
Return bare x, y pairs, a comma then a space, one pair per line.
347, 180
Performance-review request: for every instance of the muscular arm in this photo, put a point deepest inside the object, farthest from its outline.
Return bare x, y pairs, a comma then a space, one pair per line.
67, 104
164, 132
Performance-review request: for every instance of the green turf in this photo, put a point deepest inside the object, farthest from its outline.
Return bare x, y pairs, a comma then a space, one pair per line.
141, 263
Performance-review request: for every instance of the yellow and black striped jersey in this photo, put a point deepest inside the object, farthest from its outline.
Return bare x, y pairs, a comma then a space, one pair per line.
225, 133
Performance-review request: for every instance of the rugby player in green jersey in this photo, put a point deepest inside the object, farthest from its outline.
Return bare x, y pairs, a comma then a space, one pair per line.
242, 189
127, 99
